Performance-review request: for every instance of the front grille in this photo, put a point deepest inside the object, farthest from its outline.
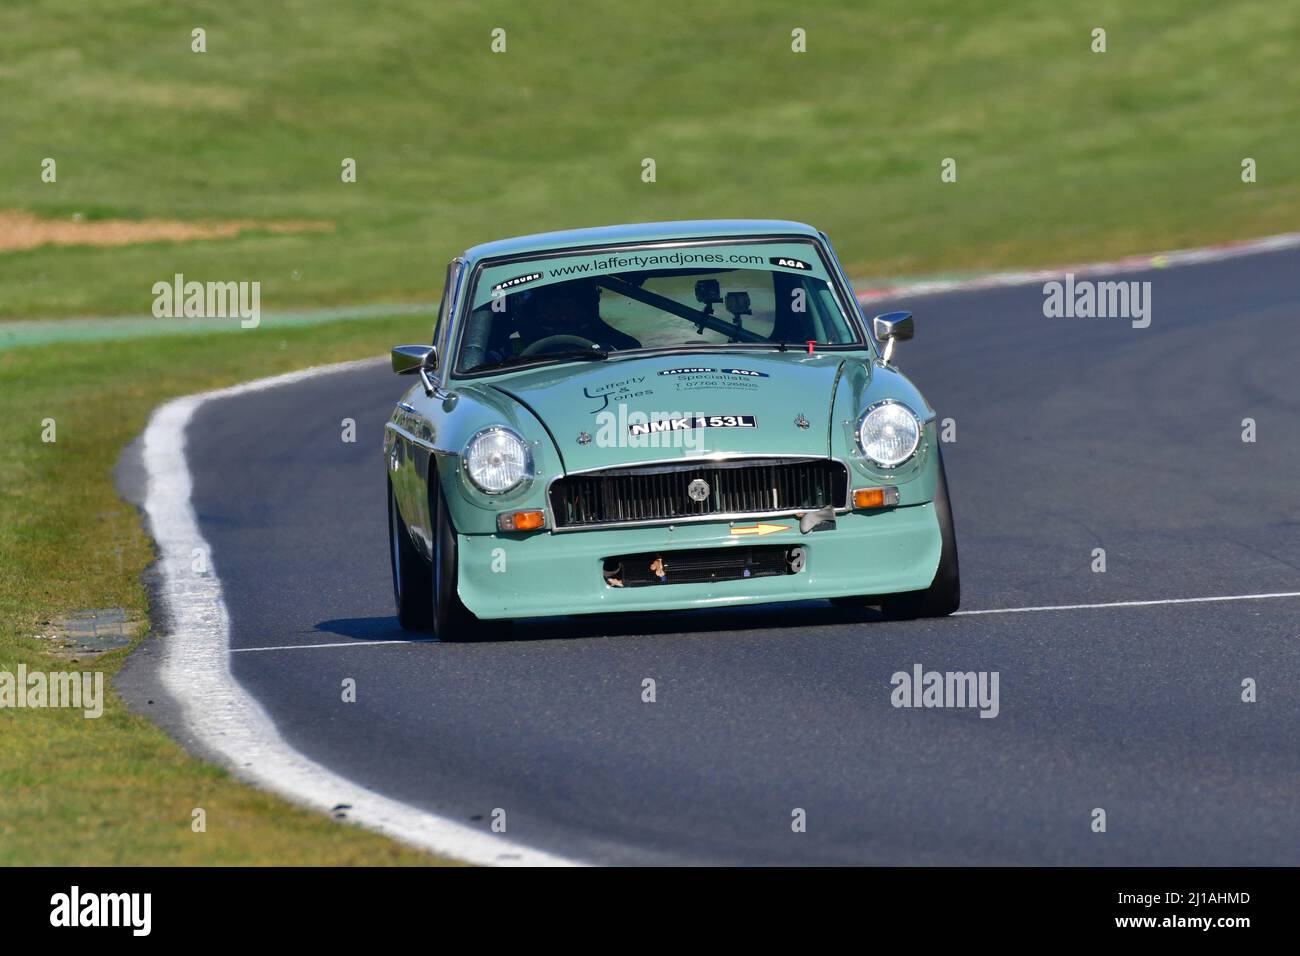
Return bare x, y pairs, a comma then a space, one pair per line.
702, 566
661, 493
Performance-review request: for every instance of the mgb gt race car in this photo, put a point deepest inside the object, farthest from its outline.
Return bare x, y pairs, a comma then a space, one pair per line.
672, 415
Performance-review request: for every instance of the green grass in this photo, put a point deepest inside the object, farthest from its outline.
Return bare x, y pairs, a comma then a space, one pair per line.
116, 790
1063, 154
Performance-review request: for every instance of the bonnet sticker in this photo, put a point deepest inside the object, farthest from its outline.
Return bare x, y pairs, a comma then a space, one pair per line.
717, 371
688, 422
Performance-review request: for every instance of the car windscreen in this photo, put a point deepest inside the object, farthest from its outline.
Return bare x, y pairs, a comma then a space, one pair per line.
590, 305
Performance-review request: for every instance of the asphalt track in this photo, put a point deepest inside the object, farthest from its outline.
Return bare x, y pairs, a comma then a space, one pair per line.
1072, 434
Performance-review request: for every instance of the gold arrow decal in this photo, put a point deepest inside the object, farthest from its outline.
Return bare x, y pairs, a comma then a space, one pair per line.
760, 528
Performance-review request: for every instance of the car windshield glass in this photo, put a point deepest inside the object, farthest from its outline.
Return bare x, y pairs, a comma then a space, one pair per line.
749, 295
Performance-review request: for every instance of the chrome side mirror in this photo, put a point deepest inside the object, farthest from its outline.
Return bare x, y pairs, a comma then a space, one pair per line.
416, 358
890, 328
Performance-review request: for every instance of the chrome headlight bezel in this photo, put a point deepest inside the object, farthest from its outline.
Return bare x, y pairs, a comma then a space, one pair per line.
892, 464
526, 454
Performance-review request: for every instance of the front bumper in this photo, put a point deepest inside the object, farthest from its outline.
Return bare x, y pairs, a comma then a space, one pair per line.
546, 574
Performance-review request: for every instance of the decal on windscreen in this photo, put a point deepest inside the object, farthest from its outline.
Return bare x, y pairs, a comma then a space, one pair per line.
517, 280
500, 278
689, 422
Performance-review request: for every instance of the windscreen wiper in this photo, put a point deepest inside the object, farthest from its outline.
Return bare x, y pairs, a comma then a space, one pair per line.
592, 355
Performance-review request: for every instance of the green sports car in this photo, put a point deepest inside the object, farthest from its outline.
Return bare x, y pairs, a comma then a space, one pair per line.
668, 415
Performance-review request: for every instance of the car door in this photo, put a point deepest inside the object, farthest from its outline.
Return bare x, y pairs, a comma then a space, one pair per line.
418, 416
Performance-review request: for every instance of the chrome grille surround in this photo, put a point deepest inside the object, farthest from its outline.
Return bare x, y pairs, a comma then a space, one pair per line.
655, 493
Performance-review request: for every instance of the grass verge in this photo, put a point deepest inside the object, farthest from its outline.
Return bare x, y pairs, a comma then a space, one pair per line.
116, 790
1063, 154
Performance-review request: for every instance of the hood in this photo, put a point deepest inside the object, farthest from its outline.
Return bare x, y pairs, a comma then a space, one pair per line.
706, 403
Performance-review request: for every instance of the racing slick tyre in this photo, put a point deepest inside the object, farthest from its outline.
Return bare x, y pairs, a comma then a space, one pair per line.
425, 592
943, 596
450, 619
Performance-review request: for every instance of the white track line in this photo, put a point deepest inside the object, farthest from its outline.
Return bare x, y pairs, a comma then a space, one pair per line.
299, 647
195, 668
1080, 607
992, 610
1142, 263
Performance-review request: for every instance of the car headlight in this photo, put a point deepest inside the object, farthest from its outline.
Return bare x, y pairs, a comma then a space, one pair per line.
888, 433
496, 460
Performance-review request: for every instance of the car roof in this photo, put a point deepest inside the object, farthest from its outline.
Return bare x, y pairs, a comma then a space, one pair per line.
633, 233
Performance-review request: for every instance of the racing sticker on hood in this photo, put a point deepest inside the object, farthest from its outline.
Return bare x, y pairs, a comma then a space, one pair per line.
689, 422
724, 371
687, 379
624, 390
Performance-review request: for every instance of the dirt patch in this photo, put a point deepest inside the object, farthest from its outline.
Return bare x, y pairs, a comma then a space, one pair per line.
22, 230
87, 634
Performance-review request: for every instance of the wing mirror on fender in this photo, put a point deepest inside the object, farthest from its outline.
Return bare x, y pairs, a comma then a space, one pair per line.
416, 358
890, 328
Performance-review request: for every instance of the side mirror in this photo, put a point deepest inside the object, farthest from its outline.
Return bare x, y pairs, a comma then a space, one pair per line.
411, 358
416, 358
890, 328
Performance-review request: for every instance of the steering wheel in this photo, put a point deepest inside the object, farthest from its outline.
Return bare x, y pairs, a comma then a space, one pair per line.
541, 345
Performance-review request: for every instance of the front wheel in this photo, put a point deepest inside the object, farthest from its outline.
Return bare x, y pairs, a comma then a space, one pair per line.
424, 590
451, 619
943, 596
